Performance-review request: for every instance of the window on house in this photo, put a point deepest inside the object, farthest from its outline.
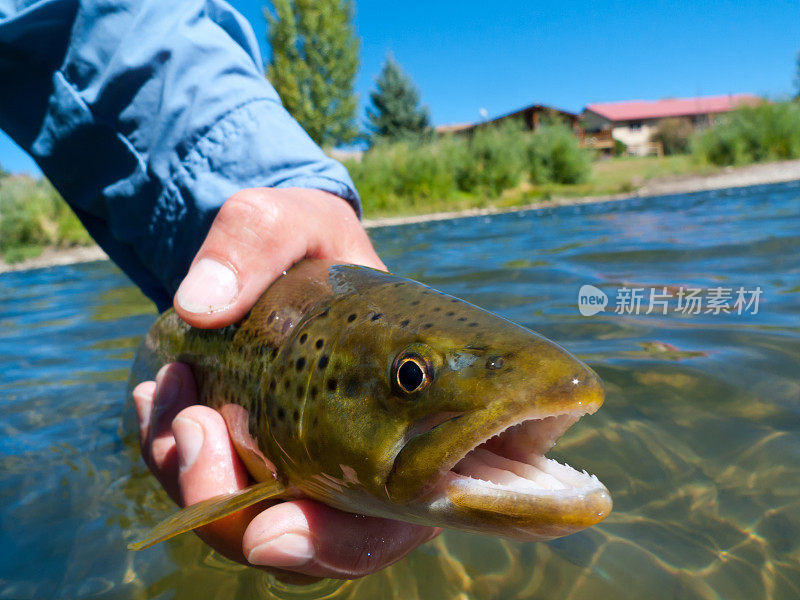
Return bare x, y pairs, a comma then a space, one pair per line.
635, 125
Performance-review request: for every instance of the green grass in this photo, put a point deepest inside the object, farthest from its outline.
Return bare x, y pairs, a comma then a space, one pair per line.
628, 173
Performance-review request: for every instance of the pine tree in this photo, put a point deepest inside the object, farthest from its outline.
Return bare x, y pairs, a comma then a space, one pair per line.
313, 65
395, 112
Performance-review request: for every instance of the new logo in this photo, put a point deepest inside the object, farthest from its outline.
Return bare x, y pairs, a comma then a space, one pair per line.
591, 300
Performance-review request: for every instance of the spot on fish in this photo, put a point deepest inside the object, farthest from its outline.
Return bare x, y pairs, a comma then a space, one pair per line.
404, 323
323, 361
281, 413
427, 325
351, 318
332, 385
300, 392
300, 364
377, 316
495, 362
303, 338
320, 343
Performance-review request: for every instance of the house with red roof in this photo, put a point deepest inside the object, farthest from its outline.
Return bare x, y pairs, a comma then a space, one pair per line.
634, 122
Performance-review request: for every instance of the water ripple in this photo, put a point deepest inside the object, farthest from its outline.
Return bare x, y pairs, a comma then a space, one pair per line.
698, 441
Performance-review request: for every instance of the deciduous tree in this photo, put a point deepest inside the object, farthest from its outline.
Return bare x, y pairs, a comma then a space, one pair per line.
313, 65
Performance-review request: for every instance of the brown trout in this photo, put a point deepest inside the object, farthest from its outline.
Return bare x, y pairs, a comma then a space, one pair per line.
378, 395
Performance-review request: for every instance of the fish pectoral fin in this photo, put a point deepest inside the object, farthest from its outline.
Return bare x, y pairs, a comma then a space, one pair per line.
208, 511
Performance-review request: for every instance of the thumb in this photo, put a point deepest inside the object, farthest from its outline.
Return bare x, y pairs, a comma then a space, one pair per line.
258, 234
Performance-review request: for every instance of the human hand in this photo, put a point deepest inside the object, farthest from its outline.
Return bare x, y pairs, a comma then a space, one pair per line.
258, 234
188, 447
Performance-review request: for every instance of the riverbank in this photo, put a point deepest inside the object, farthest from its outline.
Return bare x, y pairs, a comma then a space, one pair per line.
51, 257
730, 177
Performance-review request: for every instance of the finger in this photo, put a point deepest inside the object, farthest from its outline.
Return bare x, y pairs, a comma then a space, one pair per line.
209, 466
257, 235
317, 540
174, 391
143, 396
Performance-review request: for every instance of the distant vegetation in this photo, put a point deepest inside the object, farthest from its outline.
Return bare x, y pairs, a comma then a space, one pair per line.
555, 157
499, 166
454, 172
32, 217
768, 131
395, 113
674, 134
313, 65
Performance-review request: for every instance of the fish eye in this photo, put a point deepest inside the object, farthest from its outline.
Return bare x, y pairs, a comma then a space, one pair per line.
411, 373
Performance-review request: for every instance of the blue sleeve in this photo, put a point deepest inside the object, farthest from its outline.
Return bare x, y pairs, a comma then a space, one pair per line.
147, 115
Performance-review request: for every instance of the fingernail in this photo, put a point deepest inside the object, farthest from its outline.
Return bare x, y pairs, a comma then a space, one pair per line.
209, 287
189, 439
286, 550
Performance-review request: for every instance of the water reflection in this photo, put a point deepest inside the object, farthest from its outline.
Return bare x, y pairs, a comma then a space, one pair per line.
698, 440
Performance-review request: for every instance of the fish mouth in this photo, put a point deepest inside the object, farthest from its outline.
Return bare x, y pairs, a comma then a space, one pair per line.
506, 483
513, 460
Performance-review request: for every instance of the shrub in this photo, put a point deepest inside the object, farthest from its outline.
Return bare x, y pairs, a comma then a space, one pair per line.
423, 172
768, 131
674, 134
620, 148
493, 160
720, 145
402, 173
33, 215
555, 156
24, 207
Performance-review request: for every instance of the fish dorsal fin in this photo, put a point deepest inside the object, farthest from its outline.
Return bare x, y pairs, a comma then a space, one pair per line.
208, 511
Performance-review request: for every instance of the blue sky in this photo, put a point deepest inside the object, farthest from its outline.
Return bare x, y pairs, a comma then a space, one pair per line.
501, 55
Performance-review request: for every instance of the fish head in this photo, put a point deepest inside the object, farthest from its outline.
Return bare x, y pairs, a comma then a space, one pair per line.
444, 412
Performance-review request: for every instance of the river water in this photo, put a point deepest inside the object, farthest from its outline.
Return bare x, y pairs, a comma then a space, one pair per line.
698, 441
